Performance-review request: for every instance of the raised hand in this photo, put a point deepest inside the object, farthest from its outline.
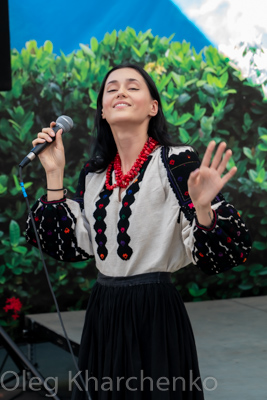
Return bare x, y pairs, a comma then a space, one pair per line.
207, 181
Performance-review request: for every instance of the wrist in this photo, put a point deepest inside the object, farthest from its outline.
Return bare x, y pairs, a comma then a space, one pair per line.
205, 215
54, 182
211, 226
55, 174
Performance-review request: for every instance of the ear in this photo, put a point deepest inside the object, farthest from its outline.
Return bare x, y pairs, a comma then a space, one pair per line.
153, 108
103, 115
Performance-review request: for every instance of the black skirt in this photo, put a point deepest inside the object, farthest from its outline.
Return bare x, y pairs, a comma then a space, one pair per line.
137, 342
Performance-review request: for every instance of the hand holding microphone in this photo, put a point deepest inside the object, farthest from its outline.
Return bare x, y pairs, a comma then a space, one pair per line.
48, 146
51, 157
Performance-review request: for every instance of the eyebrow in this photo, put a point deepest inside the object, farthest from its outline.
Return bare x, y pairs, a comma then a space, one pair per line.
129, 80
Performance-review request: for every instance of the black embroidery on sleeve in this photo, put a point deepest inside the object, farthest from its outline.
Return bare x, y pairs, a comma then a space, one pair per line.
224, 247
228, 243
55, 225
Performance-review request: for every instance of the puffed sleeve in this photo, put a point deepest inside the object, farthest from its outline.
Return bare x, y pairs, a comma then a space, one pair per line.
227, 242
63, 229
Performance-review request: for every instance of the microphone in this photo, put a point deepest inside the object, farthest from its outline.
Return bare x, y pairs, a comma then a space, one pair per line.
63, 122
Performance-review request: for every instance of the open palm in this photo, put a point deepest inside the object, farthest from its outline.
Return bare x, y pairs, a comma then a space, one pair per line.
207, 181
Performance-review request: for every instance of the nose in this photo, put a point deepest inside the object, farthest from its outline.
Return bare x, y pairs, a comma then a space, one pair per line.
121, 91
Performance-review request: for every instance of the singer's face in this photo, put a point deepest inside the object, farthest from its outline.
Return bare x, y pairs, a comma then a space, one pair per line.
126, 99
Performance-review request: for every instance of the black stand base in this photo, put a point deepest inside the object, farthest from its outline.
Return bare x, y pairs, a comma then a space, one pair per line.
24, 365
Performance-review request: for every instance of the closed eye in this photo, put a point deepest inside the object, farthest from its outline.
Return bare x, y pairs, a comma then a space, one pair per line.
114, 90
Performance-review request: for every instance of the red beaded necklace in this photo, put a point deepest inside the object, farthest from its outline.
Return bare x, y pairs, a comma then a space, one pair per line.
123, 181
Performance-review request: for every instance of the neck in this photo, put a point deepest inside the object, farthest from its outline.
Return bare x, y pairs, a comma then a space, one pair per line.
129, 144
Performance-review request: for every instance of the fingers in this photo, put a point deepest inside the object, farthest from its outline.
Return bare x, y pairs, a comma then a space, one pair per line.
220, 159
229, 175
47, 135
218, 155
59, 142
224, 162
208, 154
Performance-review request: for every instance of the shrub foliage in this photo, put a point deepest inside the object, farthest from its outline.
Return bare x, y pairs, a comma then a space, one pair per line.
204, 98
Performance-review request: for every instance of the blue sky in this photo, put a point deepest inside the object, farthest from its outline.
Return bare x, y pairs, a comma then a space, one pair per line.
67, 23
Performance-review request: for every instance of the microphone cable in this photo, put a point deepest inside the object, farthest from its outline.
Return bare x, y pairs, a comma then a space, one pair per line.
49, 283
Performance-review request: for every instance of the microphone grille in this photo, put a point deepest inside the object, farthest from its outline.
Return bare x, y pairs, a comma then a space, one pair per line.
65, 122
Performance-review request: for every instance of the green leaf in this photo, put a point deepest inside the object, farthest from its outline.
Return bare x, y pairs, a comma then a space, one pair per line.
183, 99
17, 271
2, 282
230, 164
17, 89
93, 96
164, 81
16, 182
224, 79
178, 79
190, 82
253, 175
136, 51
185, 137
63, 276
143, 47
247, 121
14, 233
261, 176
248, 152
48, 46
263, 272
94, 44
87, 50
198, 112
245, 286
264, 138
80, 264
197, 292
239, 268
20, 249
262, 146
183, 119
259, 245
200, 83
262, 131
2, 269
207, 124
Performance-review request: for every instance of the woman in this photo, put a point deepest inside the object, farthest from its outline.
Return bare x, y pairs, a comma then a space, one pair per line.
144, 208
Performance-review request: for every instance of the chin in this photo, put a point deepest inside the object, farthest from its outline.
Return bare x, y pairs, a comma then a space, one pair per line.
119, 119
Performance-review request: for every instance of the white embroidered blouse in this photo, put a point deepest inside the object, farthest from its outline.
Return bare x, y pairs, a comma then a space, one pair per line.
153, 228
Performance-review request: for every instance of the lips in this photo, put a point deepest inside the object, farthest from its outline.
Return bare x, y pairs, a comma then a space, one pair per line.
121, 105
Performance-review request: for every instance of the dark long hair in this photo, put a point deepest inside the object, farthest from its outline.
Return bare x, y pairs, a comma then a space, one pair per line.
105, 147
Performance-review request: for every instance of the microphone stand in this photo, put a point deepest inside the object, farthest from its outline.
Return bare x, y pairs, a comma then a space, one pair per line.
22, 363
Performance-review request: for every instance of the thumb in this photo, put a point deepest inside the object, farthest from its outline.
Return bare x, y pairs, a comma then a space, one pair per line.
193, 176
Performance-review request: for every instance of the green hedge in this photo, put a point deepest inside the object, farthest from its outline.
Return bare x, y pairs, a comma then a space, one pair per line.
204, 98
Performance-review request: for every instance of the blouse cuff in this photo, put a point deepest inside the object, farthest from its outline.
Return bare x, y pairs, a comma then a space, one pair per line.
44, 200
213, 223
